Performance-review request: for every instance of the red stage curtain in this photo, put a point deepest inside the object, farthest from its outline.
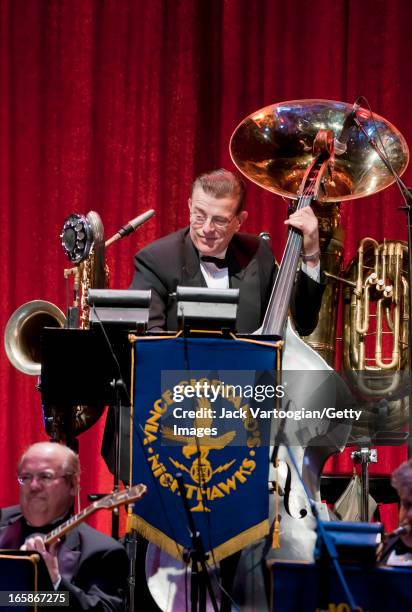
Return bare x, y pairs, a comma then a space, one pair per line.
114, 105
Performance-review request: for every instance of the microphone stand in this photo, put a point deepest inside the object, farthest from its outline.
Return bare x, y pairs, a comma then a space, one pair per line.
407, 198
120, 389
200, 579
131, 549
119, 386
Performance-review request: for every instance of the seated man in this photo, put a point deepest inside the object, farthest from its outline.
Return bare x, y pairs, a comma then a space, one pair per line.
398, 548
211, 253
92, 567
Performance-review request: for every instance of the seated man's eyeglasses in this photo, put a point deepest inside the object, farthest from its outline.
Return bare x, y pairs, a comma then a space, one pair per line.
198, 218
44, 478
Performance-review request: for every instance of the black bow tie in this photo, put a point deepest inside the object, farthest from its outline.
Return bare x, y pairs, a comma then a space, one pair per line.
29, 530
219, 263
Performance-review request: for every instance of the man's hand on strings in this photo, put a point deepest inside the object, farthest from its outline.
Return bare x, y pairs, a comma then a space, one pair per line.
306, 222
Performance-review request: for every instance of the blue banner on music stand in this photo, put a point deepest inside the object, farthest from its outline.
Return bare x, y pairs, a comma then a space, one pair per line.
187, 421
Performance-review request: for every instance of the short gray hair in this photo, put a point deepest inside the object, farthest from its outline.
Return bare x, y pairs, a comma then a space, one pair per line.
401, 479
220, 184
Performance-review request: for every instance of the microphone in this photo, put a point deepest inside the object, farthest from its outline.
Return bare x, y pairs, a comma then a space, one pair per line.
131, 226
340, 143
401, 530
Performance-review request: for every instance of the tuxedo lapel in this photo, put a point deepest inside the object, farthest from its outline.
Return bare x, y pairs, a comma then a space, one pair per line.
191, 273
10, 536
244, 275
69, 555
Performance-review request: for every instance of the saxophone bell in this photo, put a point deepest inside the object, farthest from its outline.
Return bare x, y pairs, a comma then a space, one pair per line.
22, 334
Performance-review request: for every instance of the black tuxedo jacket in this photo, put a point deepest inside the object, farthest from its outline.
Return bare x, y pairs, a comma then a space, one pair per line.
389, 547
174, 260
93, 567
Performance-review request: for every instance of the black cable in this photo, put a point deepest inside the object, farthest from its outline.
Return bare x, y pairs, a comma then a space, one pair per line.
113, 354
402, 187
228, 595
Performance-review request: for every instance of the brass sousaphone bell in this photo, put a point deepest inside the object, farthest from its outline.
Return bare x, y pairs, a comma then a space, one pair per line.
273, 148
22, 333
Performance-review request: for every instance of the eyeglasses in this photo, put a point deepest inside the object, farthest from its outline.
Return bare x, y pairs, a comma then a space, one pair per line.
45, 478
198, 218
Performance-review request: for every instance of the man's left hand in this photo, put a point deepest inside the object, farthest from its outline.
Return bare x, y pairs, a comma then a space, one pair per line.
306, 222
49, 555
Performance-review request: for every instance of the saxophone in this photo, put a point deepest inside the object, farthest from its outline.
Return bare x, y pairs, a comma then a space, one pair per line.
83, 242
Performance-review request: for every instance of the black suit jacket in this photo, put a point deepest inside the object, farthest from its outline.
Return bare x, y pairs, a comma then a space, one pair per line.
174, 260
93, 567
388, 548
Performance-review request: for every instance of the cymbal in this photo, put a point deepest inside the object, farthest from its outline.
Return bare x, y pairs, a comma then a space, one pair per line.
273, 148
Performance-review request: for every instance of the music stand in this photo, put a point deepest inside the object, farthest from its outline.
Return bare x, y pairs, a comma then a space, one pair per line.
203, 308
77, 365
92, 367
120, 307
21, 571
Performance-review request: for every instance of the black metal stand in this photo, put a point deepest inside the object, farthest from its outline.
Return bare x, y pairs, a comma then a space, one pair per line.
83, 367
200, 580
365, 456
120, 390
131, 549
407, 195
